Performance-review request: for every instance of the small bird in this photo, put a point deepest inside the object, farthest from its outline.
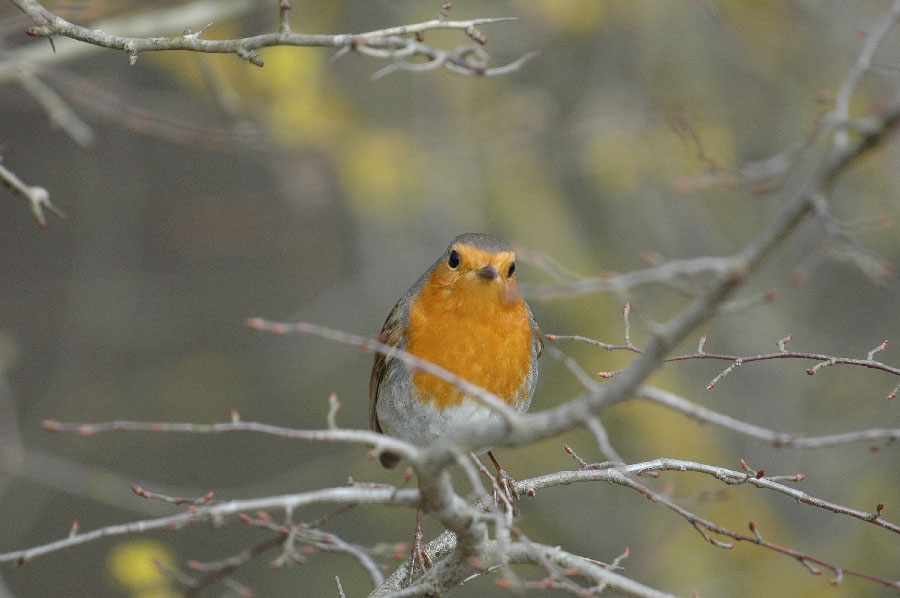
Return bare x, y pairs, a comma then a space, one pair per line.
466, 315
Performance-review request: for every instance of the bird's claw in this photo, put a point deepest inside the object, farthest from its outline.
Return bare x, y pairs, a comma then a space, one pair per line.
418, 557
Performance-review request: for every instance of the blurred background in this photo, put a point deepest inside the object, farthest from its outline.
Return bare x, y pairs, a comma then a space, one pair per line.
212, 190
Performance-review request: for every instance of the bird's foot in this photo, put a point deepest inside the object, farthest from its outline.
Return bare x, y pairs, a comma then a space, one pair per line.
418, 557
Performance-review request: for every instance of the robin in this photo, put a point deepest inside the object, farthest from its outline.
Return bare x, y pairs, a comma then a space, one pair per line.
466, 315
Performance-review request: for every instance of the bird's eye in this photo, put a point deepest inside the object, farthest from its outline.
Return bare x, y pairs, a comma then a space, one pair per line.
453, 261
512, 270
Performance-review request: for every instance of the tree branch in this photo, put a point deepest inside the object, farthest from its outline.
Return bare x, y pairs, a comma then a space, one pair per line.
38, 197
216, 512
391, 43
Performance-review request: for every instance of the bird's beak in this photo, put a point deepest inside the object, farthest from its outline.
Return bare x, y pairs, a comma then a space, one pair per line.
510, 294
488, 272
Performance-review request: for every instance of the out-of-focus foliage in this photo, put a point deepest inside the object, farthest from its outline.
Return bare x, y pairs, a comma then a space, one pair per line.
138, 567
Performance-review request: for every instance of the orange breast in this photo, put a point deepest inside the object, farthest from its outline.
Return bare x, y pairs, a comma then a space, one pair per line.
470, 332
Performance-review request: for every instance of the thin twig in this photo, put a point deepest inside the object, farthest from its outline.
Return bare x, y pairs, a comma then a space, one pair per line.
778, 439
38, 197
392, 43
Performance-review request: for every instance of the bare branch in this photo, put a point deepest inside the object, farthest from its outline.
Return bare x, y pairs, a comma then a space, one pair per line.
738, 361
379, 442
732, 478
390, 43
875, 36
617, 283
38, 197
37, 56
289, 502
623, 475
778, 439
59, 112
